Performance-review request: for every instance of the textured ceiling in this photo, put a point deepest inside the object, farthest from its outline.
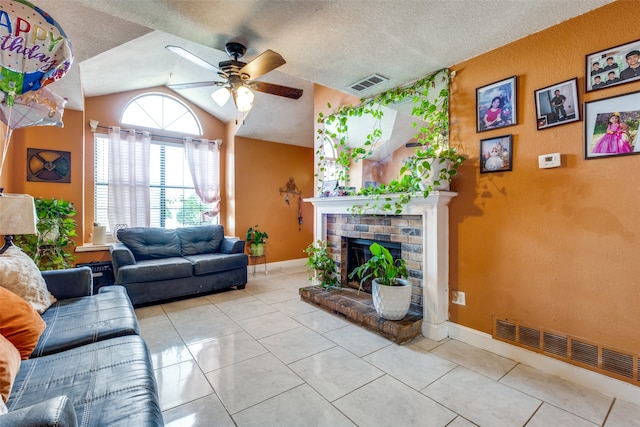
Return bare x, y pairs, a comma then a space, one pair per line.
119, 45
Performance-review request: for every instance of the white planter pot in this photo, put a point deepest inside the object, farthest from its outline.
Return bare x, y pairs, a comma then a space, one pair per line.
391, 302
436, 167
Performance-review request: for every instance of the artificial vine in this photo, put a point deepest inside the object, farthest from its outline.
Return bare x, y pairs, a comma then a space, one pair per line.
432, 142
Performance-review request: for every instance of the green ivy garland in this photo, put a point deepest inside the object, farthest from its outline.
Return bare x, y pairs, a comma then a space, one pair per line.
432, 138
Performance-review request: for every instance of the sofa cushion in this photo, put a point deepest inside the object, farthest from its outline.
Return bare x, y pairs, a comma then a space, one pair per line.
150, 242
202, 239
20, 275
154, 270
109, 382
214, 263
57, 411
79, 321
9, 367
19, 322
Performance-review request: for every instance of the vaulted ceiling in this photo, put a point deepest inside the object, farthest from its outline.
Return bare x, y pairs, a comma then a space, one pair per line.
119, 45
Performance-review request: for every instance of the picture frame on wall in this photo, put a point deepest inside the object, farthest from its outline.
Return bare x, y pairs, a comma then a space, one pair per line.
611, 126
496, 105
557, 104
613, 66
496, 154
44, 165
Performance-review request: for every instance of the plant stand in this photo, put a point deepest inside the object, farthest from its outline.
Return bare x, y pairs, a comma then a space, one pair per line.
258, 259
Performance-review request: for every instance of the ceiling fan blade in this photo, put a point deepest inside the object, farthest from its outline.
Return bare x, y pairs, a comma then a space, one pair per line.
262, 64
287, 92
193, 85
193, 58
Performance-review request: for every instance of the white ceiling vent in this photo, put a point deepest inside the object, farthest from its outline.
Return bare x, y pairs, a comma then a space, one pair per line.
367, 82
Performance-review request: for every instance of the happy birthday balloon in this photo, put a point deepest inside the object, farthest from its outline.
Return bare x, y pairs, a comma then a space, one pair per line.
41, 107
34, 50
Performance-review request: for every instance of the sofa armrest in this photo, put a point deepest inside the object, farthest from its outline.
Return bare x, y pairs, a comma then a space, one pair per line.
57, 411
121, 255
232, 246
69, 283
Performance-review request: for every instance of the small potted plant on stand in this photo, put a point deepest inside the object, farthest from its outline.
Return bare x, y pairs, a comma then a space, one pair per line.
321, 267
256, 240
391, 292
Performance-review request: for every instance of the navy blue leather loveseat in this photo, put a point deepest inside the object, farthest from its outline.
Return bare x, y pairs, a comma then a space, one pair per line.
156, 264
90, 366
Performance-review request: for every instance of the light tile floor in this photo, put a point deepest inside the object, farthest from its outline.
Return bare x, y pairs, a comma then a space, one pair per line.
262, 357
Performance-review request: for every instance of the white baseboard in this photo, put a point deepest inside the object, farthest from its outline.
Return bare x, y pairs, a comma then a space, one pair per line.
435, 332
274, 266
610, 386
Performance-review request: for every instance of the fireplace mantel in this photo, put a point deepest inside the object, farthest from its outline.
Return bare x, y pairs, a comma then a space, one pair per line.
434, 211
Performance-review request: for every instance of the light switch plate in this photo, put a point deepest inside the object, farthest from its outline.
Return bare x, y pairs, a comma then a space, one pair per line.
546, 161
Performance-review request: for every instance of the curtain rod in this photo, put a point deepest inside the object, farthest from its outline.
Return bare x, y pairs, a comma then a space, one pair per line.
94, 125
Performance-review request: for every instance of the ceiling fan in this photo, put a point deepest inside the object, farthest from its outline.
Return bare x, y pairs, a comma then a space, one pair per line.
240, 77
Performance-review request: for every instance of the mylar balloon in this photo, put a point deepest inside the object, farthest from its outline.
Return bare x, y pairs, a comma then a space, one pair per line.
34, 50
41, 107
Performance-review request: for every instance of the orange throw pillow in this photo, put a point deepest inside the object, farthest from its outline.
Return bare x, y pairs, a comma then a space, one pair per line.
9, 366
19, 322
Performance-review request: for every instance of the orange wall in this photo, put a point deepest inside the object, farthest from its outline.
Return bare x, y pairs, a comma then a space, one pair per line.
262, 168
68, 138
556, 248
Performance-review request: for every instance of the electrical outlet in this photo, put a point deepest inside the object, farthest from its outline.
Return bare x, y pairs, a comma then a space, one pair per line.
458, 297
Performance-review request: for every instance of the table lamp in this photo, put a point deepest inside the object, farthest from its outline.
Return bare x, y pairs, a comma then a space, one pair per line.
17, 216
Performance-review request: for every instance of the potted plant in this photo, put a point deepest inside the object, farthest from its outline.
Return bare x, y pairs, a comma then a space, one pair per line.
49, 249
321, 267
256, 240
391, 292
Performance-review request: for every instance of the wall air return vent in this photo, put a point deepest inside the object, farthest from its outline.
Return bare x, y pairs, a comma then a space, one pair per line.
576, 351
368, 82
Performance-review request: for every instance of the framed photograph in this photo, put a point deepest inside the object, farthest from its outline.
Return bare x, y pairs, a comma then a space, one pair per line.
496, 105
613, 66
328, 187
557, 104
611, 126
496, 154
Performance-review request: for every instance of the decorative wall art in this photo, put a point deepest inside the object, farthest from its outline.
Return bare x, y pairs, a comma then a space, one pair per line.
613, 66
557, 104
496, 154
45, 165
611, 126
496, 105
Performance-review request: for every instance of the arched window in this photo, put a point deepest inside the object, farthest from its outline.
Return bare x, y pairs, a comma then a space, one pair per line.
174, 202
159, 111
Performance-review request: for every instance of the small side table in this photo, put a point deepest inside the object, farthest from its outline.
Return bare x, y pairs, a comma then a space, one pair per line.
257, 259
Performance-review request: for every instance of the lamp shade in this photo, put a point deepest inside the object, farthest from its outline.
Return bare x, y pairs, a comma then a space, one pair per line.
17, 214
221, 96
244, 99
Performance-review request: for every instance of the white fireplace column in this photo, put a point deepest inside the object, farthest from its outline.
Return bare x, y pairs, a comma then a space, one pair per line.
434, 211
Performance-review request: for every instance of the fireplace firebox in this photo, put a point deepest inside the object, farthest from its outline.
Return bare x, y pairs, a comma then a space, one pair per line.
358, 253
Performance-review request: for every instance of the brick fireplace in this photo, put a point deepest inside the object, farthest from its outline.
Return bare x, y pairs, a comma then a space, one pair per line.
422, 230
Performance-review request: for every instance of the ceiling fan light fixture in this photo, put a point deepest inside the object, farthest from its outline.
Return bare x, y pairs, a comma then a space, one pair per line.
244, 99
221, 96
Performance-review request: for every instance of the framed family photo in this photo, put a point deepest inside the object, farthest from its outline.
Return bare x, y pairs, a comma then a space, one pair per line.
613, 66
557, 104
611, 126
496, 154
496, 105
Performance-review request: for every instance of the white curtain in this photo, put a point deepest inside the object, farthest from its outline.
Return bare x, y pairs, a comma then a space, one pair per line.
129, 195
203, 157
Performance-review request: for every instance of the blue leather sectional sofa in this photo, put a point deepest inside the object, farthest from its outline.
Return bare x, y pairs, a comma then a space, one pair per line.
90, 366
156, 264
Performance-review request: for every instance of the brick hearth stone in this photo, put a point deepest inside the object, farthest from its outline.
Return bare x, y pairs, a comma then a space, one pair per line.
358, 308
